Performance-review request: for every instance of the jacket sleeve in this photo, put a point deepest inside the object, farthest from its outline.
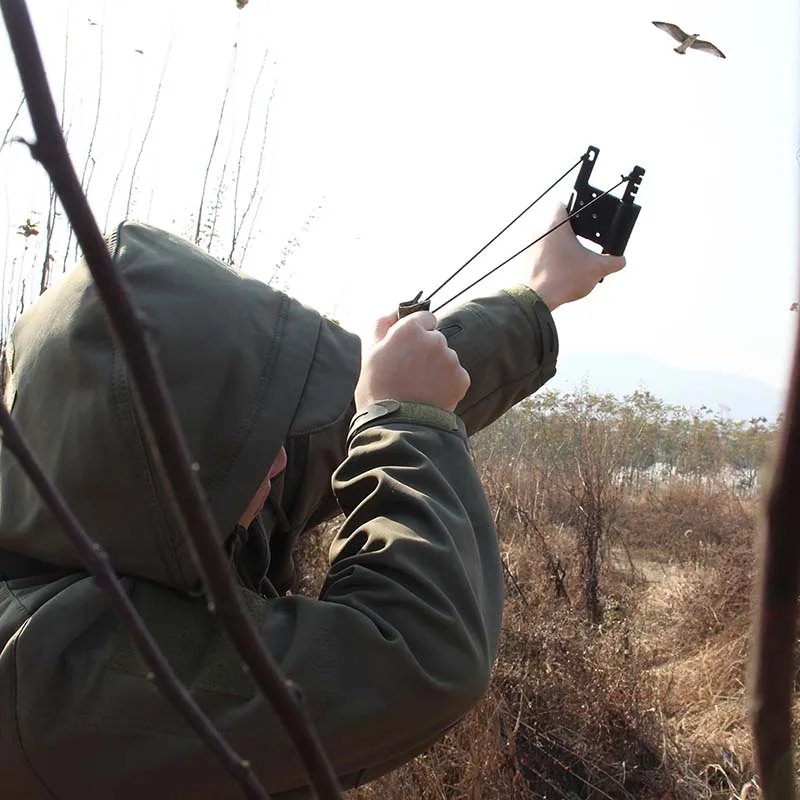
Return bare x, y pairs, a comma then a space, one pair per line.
508, 344
400, 644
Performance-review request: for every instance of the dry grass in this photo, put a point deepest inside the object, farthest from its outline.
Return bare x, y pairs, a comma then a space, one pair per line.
652, 705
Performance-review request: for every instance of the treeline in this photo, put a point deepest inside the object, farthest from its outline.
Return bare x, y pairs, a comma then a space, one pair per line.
636, 442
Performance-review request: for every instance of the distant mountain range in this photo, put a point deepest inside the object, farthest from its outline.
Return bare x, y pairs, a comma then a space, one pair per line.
735, 395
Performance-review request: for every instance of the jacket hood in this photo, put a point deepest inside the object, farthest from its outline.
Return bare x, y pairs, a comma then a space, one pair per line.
246, 367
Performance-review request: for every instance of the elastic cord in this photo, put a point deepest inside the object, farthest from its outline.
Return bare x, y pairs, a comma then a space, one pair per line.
498, 235
527, 246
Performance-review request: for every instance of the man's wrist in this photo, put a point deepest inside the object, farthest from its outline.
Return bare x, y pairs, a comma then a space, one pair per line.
546, 291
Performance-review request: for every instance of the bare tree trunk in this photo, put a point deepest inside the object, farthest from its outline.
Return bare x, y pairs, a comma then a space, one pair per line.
772, 676
592, 536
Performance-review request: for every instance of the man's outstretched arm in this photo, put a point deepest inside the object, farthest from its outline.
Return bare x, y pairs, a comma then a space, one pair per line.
508, 344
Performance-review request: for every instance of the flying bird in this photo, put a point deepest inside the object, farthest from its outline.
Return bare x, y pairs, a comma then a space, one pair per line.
140, 52
90, 21
687, 41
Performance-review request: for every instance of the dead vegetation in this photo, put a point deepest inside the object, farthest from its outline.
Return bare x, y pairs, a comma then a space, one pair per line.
650, 702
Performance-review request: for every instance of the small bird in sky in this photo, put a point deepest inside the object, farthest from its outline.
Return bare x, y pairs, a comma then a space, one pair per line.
140, 52
686, 41
90, 21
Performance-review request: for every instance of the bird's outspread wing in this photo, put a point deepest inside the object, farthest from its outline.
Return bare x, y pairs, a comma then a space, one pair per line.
701, 44
673, 30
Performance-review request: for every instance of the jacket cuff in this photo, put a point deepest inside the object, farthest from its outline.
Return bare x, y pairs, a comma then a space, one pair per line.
386, 411
540, 317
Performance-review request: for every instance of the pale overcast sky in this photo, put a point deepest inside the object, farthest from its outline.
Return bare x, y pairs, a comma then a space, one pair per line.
412, 132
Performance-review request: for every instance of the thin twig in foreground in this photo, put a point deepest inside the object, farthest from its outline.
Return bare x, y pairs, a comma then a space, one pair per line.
50, 150
96, 561
12, 123
772, 683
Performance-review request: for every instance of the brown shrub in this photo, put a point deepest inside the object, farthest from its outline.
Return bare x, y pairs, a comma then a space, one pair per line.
684, 520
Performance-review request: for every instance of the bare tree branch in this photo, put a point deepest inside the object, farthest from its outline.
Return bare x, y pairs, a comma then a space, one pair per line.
221, 189
147, 131
52, 197
98, 104
87, 172
254, 192
122, 163
252, 226
50, 150
51, 212
13, 122
96, 561
236, 225
228, 83
772, 678
289, 249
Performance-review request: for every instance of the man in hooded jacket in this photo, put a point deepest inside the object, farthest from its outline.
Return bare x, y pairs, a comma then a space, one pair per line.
272, 398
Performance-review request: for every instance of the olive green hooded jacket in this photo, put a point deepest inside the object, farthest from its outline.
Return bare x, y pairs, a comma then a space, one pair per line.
399, 644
